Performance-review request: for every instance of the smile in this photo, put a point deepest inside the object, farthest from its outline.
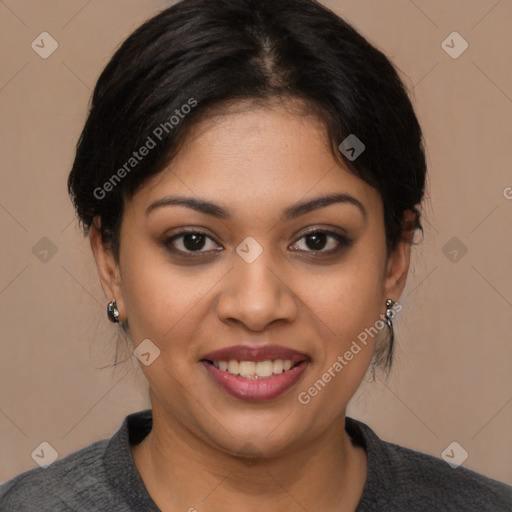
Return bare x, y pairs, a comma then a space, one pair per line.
255, 370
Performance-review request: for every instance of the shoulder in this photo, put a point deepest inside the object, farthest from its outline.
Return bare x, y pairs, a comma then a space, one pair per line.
100, 476
432, 480
57, 486
405, 479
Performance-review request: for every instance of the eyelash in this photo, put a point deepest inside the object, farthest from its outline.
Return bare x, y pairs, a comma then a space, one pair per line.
342, 240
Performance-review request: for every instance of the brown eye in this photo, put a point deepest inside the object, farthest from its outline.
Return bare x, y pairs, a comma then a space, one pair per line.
190, 241
316, 241
322, 241
194, 241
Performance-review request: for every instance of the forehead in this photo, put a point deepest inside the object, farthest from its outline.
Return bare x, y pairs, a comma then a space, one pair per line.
251, 157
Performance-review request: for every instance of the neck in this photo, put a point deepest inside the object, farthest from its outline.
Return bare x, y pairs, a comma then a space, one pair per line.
183, 472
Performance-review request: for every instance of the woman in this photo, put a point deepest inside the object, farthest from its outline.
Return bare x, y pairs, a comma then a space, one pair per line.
250, 176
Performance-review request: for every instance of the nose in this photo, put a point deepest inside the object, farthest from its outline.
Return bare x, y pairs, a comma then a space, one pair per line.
256, 295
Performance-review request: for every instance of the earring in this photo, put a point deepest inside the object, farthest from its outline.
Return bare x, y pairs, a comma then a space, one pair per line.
390, 314
113, 312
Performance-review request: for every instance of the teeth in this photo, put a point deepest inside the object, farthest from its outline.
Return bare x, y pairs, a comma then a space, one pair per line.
233, 367
278, 366
246, 368
264, 369
253, 370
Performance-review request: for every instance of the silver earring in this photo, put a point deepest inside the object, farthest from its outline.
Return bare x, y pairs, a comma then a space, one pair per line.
390, 314
113, 312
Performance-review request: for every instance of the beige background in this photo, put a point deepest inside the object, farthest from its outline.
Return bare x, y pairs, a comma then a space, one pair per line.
452, 378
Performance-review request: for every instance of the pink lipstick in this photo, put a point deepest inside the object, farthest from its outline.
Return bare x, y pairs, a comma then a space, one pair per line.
257, 372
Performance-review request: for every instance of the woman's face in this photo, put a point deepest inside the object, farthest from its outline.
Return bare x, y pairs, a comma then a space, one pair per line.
254, 277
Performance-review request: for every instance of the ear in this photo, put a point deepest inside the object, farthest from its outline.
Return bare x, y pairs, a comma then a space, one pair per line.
399, 259
108, 269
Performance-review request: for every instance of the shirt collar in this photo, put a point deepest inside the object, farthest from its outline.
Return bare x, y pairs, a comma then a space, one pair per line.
123, 475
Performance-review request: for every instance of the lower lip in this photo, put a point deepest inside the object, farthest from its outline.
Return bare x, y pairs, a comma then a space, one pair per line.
256, 390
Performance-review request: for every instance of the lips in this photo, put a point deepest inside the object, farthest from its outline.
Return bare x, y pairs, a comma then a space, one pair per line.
251, 389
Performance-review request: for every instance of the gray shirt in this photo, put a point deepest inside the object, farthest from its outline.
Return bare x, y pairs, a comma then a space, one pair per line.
103, 477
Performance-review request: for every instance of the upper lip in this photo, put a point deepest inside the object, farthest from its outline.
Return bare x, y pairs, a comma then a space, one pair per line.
255, 353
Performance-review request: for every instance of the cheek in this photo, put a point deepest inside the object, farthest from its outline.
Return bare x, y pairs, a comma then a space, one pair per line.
347, 314
348, 299
347, 306
161, 299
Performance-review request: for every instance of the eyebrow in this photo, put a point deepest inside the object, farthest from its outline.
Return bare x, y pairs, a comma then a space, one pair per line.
296, 210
